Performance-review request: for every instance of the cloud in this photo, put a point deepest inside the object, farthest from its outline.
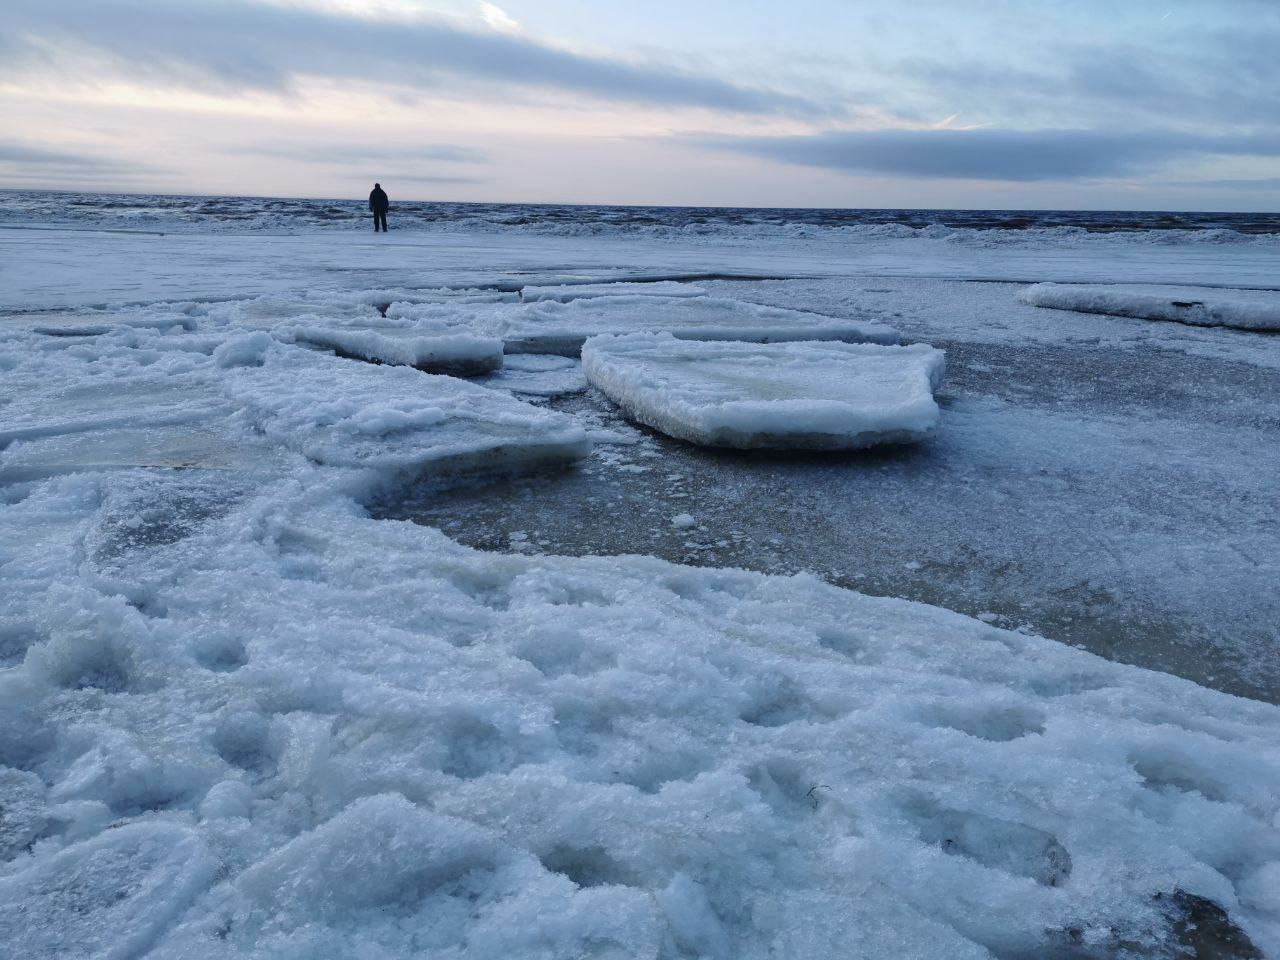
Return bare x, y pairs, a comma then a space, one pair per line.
498, 19
20, 156
347, 154
225, 46
990, 154
392, 178
1263, 183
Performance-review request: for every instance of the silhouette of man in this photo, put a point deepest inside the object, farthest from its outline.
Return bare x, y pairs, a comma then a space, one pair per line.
379, 204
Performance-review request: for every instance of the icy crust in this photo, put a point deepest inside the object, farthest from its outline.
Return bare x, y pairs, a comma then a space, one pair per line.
586, 291
825, 396
342, 413
311, 734
538, 375
1244, 309
428, 350
562, 328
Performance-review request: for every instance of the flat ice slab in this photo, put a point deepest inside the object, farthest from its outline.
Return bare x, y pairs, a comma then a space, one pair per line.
342, 413
432, 350
585, 291
1245, 309
562, 328
540, 375
825, 396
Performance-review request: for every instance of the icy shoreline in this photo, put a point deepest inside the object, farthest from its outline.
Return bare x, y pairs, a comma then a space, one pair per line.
240, 717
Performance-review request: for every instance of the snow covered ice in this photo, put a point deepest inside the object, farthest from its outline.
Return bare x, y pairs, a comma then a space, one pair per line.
241, 716
582, 291
430, 351
826, 396
554, 327
1245, 309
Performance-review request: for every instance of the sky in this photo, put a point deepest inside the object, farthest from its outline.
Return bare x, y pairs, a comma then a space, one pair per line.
1012, 104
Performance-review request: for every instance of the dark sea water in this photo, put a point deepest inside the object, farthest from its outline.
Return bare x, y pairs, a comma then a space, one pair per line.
141, 211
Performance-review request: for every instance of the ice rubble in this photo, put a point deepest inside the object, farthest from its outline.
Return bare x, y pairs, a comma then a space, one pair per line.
782, 395
566, 292
562, 328
1204, 307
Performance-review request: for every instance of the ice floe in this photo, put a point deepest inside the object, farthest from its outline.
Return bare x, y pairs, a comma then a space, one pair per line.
566, 292
343, 413
805, 395
562, 328
1200, 306
430, 350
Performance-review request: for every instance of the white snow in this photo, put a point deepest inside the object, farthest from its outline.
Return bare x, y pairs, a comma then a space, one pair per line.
584, 291
808, 395
562, 328
1203, 307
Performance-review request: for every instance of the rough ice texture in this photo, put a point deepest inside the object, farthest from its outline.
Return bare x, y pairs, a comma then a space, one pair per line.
343, 413
1203, 307
434, 351
583, 291
311, 734
825, 396
240, 719
562, 328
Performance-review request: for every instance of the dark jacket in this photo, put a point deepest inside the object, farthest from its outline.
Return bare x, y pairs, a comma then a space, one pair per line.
378, 201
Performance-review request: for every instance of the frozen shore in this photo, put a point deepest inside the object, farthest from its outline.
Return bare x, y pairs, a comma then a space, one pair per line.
241, 716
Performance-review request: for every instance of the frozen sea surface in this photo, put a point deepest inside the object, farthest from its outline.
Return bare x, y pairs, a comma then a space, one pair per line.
1098, 484
240, 716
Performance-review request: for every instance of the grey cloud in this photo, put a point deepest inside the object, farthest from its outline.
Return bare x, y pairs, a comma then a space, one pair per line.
1263, 183
238, 45
984, 154
21, 156
427, 178
347, 153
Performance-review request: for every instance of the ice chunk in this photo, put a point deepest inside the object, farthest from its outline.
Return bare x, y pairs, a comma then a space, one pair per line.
566, 292
823, 396
342, 413
1200, 306
426, 348
553, 327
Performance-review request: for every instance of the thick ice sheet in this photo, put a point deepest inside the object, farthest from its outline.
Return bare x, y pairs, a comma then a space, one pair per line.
826, 396
344, 413
562, 328
1244, 309
433, 351
585, 291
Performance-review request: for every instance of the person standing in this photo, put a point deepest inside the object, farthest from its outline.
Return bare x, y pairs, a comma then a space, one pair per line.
379, 204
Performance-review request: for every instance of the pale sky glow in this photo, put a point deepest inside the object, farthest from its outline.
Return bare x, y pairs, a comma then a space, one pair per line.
990, 103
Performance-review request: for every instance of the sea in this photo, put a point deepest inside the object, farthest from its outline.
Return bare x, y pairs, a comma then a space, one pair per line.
169, 213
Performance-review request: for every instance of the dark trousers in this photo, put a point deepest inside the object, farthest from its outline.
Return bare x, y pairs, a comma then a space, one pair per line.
379, 219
